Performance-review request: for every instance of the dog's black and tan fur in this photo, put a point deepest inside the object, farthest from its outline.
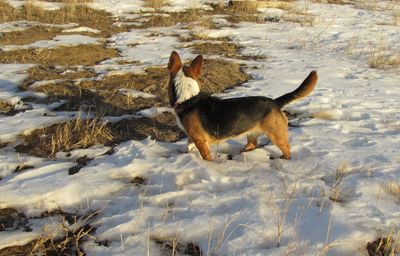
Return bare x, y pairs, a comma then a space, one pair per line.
207, 119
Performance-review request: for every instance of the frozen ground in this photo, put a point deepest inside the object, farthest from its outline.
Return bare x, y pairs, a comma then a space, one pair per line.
332, 198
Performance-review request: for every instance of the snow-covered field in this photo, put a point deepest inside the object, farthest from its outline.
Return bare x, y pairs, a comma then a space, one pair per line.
340, 190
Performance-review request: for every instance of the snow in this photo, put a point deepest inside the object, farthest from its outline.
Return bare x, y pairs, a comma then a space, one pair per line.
247, 205
81, 29
57, 41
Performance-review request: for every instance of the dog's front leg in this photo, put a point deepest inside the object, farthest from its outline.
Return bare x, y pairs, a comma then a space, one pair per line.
202, 146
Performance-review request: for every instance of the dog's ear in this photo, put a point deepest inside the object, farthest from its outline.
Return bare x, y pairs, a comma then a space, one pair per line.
175, 63
195, 66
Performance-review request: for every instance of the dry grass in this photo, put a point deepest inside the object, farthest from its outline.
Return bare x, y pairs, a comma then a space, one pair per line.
393, 188
192, 17
64, 55
76, 229
83, 133
381, 60
104, 96
299, 15
79, 133
5, 107
70, 13
41, 73
225, 49
156, 4
29, 36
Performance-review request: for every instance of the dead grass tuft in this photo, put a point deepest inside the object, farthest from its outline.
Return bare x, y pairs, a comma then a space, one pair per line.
29, 36
199, 17
81, 133
156, 4
41, 73
225, 49
299, 15
78, 133
5, 107
72, 12
64, 55
76, 230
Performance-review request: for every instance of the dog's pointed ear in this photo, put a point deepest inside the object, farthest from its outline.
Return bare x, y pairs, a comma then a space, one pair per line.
175, 63
195, 66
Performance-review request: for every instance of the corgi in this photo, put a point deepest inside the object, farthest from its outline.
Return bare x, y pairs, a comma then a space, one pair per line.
207, 119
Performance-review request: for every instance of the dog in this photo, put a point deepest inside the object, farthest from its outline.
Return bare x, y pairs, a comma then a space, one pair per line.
207, 119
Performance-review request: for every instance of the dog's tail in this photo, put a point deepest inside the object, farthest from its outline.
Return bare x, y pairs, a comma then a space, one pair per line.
303, 90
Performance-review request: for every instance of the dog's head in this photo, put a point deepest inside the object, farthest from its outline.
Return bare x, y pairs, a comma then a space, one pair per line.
183, 80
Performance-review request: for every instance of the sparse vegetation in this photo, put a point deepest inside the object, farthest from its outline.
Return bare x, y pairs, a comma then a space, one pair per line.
63, 55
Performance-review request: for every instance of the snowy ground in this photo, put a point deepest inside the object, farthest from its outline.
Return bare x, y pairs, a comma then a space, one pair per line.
332, 198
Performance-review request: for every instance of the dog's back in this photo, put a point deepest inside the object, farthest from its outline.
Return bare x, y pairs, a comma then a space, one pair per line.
224, 118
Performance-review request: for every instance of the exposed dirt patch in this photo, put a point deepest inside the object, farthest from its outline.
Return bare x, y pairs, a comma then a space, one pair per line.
226, 49
81, 162
63, 56
171, 246
11, 219
137, 181
85, 133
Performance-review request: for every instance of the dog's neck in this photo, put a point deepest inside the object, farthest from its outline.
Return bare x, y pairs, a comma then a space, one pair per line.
185, 87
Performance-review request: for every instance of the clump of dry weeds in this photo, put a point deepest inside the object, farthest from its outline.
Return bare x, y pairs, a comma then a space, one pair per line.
72, 12
63, 56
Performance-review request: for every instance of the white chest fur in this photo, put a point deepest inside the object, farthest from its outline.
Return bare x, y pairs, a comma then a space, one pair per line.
185, 87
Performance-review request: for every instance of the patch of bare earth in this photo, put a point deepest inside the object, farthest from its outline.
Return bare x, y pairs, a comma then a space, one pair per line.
171, 246
63, 56
11, 219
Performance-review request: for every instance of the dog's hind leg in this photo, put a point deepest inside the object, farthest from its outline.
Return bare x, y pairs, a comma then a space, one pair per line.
275, 126
251, 143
